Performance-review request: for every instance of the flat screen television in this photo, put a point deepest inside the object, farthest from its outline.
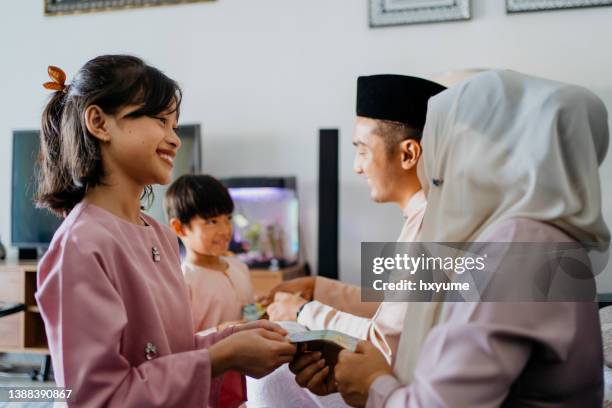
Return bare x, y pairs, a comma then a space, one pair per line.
31, 227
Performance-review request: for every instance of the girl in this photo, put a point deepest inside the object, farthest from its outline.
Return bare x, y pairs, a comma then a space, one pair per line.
110, 289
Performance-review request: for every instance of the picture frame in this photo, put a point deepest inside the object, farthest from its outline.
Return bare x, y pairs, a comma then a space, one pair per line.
63, 7
400, 12
520, 6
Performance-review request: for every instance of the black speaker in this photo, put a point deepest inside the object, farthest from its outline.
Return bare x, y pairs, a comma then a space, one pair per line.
328, 203
28, 254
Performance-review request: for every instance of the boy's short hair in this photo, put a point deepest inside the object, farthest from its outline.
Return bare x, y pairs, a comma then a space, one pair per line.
200, 195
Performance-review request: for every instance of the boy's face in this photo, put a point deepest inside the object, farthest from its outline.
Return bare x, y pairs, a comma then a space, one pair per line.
384, 172
209, 236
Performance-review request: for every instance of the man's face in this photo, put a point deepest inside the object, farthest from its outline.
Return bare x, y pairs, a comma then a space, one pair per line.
381, 170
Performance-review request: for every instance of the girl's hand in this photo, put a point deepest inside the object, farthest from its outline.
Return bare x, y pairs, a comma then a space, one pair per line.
254, 352
355, 372
260, 324
225, 325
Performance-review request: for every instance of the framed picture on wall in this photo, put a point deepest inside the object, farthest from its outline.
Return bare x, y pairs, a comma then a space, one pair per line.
399, 12
59, 7
518, 6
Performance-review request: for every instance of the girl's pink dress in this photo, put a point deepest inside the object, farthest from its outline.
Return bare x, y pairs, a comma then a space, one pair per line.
118, 319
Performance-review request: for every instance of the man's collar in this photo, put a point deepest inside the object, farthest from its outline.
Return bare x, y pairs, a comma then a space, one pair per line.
416, 202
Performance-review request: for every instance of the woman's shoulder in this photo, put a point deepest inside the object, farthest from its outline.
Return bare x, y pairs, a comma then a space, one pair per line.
524, 230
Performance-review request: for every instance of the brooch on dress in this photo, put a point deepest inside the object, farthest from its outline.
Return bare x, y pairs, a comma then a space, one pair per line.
156, 255
150, 351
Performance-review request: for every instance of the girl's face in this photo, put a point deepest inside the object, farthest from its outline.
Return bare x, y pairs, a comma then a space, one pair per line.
143, 148
209, 236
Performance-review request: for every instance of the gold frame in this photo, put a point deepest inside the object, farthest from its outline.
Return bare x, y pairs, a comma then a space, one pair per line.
91, 6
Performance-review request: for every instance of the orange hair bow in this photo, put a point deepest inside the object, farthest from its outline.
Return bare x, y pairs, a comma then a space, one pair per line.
59, 79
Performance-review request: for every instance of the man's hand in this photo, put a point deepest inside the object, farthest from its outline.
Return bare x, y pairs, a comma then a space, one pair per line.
304, 287
355, 372
285, 307
312, 373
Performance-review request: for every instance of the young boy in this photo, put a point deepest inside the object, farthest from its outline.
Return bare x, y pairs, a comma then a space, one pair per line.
199, 209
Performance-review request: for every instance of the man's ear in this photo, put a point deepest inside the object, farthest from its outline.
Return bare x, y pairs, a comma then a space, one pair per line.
177, 226
97, 122
410, 153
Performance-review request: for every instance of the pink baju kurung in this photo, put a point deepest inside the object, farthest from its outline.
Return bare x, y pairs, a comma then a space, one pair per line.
118, 319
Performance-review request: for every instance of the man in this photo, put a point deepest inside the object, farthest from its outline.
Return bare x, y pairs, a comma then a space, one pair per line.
391, 111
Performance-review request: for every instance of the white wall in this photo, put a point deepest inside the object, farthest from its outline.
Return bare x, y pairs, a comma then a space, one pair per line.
262, 76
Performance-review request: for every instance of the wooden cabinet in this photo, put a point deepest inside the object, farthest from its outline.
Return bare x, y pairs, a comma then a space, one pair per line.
22, 332
265, 279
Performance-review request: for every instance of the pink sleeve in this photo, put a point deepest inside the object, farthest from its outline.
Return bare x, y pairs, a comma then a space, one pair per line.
229, 390
344, 297
381, 389
84, 319
204, 342
470, 363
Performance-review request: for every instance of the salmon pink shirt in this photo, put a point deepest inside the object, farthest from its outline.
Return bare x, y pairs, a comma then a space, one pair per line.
217, 296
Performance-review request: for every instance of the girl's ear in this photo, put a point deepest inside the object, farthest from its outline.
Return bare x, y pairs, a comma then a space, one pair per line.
97, 123
410, 153
177, 227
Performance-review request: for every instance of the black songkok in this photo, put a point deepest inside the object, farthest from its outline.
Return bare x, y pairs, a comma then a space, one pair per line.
397, 98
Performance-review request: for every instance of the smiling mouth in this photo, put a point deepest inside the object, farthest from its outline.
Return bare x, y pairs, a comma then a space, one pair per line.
169, 159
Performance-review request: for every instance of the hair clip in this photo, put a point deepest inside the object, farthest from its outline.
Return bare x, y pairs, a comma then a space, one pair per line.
437, 182
59, 79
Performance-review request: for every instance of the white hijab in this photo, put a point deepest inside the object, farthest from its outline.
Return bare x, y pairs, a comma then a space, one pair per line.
506, 145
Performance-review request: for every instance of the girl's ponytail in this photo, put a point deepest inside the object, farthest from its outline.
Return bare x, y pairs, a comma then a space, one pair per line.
54, 184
